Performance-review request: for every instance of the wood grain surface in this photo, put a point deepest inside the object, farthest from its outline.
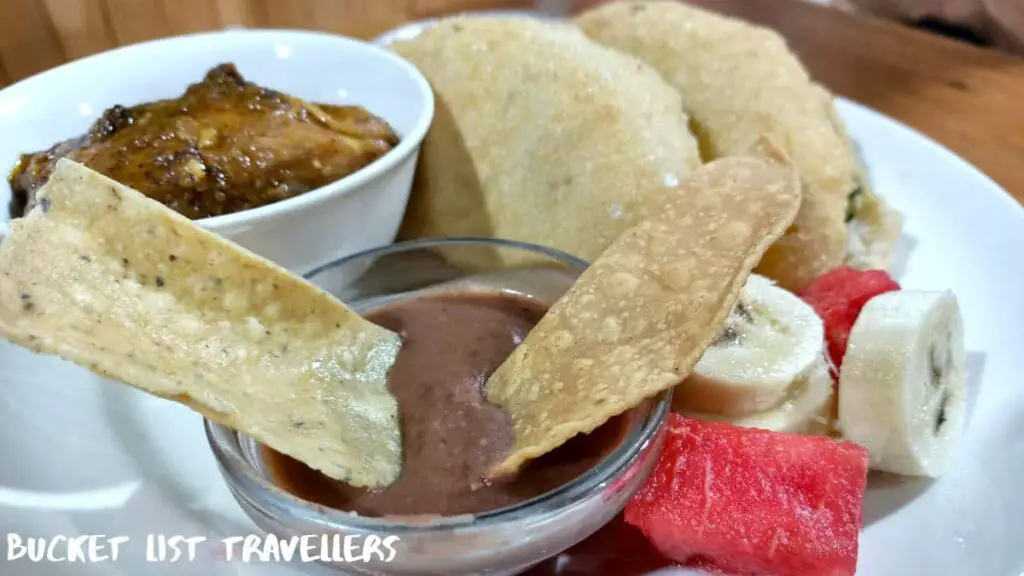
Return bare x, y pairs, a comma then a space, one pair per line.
965, 97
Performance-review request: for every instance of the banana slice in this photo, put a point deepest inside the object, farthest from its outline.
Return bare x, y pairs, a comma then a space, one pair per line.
902, 385
770, 341
805, 410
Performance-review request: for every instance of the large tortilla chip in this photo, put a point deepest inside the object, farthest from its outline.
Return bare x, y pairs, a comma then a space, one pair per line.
640, 317
739, 81
873, 227
111, 280
542, 136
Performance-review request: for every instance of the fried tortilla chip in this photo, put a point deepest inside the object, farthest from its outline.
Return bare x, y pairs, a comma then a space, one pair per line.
541, 135
640, 317
738, 81
113, 281
872, 226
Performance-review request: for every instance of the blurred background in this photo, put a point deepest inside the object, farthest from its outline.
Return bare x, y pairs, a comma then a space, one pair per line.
39, 34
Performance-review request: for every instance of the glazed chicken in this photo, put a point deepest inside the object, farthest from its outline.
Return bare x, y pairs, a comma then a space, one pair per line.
225, 146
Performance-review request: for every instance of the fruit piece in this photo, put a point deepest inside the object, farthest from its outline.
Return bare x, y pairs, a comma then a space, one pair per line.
807, 409
771, 342
838, 297
902, 385
751, 501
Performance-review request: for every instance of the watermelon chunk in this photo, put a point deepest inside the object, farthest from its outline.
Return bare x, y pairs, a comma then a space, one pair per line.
754, 502
838, 297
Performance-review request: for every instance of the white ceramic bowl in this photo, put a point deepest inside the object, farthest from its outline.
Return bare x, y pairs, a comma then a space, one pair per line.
358, 212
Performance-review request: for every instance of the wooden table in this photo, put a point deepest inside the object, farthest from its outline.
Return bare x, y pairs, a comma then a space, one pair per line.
962, 96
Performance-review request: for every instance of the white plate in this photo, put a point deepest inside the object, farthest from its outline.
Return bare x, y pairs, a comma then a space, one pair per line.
85, 456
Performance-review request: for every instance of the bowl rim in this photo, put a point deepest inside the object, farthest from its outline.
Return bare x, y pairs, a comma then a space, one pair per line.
263, 494
408, 145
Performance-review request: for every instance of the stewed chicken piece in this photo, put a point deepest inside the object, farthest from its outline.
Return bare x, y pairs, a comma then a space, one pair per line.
224, 146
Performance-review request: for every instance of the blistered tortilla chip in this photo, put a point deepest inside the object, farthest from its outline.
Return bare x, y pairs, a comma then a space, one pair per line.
873, 227
738, 80
764, 149
111, 280
640, 317
541, 135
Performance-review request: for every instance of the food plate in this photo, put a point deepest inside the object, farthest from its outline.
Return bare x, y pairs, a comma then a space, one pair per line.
84, 456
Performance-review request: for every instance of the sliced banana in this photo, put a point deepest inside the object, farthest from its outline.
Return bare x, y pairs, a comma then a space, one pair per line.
805, 410
902, 384
771, 340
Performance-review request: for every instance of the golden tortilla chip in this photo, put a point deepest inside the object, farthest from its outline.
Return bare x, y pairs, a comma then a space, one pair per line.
111, 280
640, 317
764, 149
873, 227
738, 81
541, 135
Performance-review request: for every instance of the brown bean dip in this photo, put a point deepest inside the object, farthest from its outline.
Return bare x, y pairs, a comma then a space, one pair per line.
451, 343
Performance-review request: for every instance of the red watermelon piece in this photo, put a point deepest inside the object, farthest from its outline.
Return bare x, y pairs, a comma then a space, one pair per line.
838, 297
754, 502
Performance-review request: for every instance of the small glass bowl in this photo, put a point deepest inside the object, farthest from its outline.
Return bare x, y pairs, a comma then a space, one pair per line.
505, 541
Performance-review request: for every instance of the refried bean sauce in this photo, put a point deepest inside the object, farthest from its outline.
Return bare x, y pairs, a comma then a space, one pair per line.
451, 435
